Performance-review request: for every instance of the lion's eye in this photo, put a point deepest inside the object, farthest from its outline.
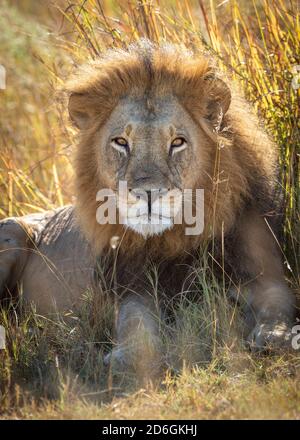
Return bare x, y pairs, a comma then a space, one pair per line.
178, 144
120, 144
120, 141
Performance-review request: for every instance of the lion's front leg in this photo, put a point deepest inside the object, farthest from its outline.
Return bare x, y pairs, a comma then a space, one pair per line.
271, 304
137, 354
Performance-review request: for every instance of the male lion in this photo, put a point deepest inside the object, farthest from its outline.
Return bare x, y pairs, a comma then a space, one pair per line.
162, 120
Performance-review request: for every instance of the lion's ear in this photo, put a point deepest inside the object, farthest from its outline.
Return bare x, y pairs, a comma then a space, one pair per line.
218, 99
79, 110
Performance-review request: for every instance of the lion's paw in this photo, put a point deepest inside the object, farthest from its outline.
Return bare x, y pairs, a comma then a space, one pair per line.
266, 336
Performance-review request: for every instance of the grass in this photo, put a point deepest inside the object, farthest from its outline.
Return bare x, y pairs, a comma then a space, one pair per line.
55, 369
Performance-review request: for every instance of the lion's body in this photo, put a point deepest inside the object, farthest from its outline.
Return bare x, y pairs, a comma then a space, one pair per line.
64, 263
146, 95
57, 264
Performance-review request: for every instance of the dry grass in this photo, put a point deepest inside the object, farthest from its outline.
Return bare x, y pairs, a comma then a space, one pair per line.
197, 394
55, 369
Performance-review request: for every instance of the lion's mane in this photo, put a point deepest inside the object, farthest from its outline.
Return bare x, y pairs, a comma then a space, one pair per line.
240, 159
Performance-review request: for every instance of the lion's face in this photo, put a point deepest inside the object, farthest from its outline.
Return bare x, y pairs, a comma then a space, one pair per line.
155, 147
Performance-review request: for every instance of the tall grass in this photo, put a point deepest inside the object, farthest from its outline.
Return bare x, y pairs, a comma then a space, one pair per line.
258, 43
